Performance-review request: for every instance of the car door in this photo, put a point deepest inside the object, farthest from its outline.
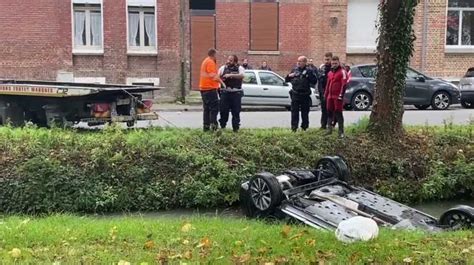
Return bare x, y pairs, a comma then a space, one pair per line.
251, 87
417, 88
274, 89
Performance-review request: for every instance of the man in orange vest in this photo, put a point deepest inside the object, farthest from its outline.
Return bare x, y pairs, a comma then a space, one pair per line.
209, 83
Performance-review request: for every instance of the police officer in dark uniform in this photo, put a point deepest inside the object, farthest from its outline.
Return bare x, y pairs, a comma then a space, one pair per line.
231, 95
324, 70
302, 79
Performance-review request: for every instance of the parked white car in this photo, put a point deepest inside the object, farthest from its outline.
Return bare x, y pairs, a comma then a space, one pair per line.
267, 88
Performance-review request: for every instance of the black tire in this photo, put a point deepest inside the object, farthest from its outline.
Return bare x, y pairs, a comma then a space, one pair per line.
361, 101
264, 194
333, 167
130, 124
459, 217
422, 107
348, 107
466, 104
441, 100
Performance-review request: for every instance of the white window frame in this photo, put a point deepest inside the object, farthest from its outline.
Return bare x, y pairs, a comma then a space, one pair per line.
87, 49
141, 6
90, 80
459, 48
360, 49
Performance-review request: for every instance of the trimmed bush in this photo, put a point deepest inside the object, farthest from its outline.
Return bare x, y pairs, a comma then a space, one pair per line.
43, 171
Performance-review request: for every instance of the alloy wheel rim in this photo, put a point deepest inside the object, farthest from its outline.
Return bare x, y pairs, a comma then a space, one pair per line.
362, 101
260, 193
441, 101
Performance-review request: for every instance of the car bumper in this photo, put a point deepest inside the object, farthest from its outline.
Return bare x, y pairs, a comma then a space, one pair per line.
467, 95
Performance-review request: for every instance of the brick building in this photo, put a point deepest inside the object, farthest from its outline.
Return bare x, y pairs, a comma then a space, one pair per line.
162, 42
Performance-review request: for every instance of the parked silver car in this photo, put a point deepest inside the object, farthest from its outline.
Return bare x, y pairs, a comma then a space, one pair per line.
466, 85
267, 88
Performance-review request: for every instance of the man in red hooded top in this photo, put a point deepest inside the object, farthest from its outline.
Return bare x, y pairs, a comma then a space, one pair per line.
334, 94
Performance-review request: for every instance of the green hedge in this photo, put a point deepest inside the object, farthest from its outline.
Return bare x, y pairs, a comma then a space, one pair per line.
146, 170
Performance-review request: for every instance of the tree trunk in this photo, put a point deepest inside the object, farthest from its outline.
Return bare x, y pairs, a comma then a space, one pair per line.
394, 50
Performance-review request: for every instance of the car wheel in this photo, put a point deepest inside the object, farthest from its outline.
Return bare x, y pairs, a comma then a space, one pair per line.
460, 217
361, 101
263, 196
441, 100
467, 105
333, 167
422, 107
348, 107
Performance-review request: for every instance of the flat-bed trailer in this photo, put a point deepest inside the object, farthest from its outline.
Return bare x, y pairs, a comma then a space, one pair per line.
49, 104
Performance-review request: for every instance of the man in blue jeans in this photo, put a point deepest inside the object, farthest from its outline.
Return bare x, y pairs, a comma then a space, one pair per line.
231, 95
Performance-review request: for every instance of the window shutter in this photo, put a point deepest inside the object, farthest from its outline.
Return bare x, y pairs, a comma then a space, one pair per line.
264, 27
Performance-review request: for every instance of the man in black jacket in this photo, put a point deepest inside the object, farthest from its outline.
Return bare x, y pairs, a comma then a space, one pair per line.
324, 70
231, 95
302, 79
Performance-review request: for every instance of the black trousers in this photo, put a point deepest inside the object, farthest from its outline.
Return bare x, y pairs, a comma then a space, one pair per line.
324, 112
300, 104
336, 117
210, 104
230, 101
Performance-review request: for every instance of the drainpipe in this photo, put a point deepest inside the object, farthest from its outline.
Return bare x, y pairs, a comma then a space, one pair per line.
424, 36
182, 51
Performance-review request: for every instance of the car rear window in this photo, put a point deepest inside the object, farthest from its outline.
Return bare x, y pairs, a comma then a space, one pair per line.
470, 72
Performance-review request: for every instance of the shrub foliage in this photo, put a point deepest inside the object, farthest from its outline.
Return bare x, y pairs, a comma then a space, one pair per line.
43, 171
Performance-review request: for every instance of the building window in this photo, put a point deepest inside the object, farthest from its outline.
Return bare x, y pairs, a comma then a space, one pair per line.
264, 21
361, 21
202, 4
460, 23
141, 26
87, 26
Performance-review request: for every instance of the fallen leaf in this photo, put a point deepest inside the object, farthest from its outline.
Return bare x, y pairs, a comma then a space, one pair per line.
113, 233
204, 243
185, 242
451, 243
285, 231
149, 245
15, 253
244, 258
123, 262
464, 251
186, 228
311, 242
268, 263
297, 236
407, 260
262, 251
188, 254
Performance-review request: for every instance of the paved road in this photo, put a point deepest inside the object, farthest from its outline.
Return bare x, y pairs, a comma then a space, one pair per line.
268, 119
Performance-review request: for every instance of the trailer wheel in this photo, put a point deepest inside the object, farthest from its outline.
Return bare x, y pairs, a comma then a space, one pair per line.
12, 113
130, 124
